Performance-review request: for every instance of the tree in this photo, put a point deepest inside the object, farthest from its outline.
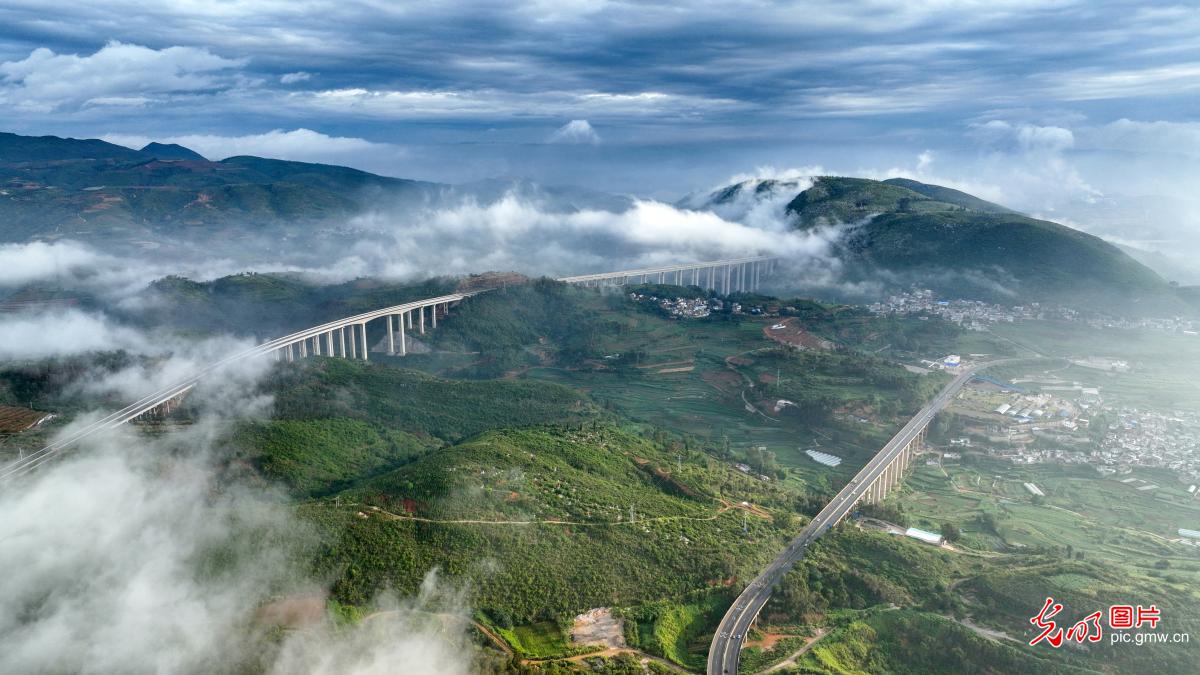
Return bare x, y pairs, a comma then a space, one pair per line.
950, 532
987, 521
781, 520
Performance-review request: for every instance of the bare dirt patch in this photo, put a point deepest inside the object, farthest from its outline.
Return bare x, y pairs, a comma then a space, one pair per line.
769, 640
724, 381
293, 612
14, 419
792, 334
598, 627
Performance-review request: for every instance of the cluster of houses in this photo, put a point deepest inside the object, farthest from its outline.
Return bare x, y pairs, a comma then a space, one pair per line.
978, 315
1153, 439
1174, 325
695, 308
1054, 427
970, 314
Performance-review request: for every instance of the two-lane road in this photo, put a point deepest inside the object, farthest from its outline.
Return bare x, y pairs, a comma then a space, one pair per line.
727, 642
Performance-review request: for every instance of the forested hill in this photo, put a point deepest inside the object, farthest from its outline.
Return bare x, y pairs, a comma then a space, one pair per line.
902, 232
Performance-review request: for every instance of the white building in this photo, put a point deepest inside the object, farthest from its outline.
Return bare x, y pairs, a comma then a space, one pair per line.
927, 537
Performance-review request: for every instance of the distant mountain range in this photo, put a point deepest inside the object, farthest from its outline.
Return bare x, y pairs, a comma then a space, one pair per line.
92, 190
166, 195
891, 234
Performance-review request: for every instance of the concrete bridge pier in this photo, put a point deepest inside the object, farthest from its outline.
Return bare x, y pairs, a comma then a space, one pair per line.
365, 347
391, 337
303, 350
421, 319
342, 338
433, 316
403, 340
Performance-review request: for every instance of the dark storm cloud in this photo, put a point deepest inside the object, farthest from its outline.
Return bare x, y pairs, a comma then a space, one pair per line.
682, 94
503, 58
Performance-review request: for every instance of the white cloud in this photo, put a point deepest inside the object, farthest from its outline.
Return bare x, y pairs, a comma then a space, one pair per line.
1139, 136
577, 132
35, 261
864, 101
762, 199
76, 265
1027, 137
118, 74
398, 635
925, 161
24, 336
774, 173
293, 78
494, 103
134, 554
1088, 84
1025, 166
516, 233
303, 145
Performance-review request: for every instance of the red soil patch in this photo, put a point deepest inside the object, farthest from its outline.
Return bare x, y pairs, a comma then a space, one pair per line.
792, 334
723, 381
293, 612
769, 640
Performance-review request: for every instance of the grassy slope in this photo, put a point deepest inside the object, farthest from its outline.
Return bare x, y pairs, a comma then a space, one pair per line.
419, 404
874, 573
916, 642
542, 570
318, 455
948, 195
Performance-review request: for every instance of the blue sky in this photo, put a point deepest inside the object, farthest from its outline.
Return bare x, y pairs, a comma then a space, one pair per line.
1052, 107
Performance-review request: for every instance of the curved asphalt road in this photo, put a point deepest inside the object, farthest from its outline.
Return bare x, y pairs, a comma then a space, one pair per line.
727, 641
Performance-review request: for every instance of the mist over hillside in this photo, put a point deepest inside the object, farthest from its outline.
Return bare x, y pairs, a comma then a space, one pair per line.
840, 237
346, 337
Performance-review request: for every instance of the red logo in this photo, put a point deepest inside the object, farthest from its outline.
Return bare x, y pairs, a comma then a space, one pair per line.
1147, 615
1044, 620
1120, 617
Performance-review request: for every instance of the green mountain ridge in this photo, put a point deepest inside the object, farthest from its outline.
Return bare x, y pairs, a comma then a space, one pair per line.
963, 246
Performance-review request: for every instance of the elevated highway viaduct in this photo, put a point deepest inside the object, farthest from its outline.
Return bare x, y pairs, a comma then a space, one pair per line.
870, 485
347, 338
